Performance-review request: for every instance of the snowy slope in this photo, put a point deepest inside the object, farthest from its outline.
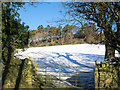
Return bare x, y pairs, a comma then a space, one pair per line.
65, 55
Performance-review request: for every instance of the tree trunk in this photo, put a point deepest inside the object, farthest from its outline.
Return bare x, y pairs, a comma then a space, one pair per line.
51, 38
10, 54
28, 43
109, 51
118, 36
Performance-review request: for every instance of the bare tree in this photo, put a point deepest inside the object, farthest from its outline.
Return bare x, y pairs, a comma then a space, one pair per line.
102, 13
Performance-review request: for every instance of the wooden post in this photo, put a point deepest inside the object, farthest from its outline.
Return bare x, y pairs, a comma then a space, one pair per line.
29, 58
76, 77
59, 72
46, 75
96, 75
36, 68
36, 65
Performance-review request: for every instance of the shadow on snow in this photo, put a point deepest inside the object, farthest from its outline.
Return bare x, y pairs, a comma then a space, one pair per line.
83, 79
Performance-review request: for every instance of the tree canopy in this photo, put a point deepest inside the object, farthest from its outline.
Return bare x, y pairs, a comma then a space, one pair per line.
104, 14
14, 34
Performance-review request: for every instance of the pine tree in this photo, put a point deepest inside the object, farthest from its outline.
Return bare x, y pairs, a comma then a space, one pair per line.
14, 34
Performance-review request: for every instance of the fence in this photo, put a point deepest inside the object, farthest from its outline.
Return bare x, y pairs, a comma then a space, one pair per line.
63, 76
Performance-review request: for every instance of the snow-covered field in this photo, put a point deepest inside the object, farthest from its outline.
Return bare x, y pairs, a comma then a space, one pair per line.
65, 55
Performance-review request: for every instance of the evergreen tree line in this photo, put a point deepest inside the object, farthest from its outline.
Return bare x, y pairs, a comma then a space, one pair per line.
69, 34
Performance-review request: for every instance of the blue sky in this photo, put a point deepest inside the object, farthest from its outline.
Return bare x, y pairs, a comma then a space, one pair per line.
45, 13
42, 14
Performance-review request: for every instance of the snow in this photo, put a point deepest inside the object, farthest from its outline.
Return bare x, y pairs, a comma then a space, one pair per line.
65, 55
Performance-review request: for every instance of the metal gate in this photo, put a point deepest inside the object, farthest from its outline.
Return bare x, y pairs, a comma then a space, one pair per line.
67, 76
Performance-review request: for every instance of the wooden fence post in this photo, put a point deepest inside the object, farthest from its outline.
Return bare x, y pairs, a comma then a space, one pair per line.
59, 72
36, 68
46, 75
96, 75
76, 77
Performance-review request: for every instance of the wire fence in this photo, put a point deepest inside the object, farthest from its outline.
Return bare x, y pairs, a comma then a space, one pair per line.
74, 76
